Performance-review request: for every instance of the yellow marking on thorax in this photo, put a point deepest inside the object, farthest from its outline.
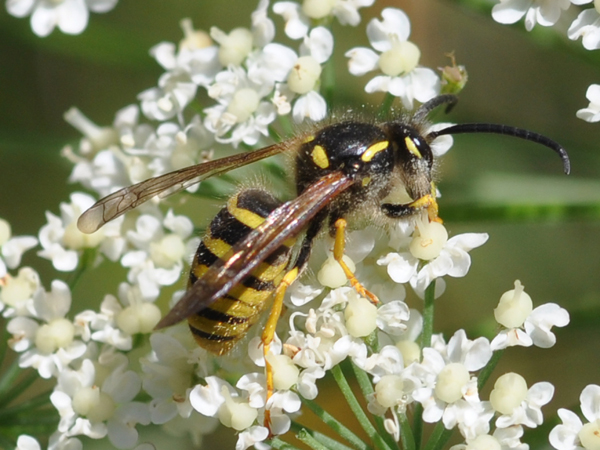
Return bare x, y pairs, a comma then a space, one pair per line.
370, 152
410, 145
308, 139
245, 216
319, 157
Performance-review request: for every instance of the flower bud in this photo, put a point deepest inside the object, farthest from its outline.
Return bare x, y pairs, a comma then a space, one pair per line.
401, 58
138, 318
235, 46
484, 442
235, 413
244, 102
450, 382
193, 39
428, 240
167, 251
361, 316
285, 372
509, 392
389, 391
57, 334
304, 75
411, 352
317, 9
332, 275
514, 307
589, 435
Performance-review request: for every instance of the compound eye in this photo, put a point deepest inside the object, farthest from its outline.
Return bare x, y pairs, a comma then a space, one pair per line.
417, 147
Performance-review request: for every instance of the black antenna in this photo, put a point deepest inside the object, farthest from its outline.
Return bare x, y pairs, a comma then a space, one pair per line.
497, 129
427, 107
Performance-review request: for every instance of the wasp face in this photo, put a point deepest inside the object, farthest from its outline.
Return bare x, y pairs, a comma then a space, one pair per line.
413, 159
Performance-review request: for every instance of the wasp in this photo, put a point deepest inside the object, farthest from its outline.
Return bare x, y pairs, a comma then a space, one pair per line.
246, 257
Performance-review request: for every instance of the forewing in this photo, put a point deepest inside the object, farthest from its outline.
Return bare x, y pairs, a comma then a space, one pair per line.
283, 223
126, 199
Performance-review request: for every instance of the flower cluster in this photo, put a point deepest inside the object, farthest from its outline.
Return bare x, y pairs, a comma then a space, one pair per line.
114, 375
548, 13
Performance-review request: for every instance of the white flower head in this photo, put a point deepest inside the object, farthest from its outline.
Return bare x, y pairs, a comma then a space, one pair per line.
398, 59
70, 16
452, 258
62, 241
47, 340
242, 114
517, 404
303, 78
544, 12
524, 325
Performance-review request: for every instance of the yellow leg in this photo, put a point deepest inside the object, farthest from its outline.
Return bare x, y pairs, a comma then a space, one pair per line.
430, 203
269, 332
338, 255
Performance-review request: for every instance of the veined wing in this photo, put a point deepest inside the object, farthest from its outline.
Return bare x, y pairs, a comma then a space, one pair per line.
283, 223
128, 198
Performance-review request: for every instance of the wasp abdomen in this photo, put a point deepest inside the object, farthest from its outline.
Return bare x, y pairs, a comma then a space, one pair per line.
219, 326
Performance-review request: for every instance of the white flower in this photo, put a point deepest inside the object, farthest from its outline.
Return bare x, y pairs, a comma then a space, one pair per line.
242, 114
398, 60
297, 17
96, 406
62, 241
587, 25
592, 112
518, 404
48, 347
453, 260
12, 248
168, 373
524, 326
162, 245
26, 442
70, 16
449, 391
572, 434
544, 12
303, 77
502, 438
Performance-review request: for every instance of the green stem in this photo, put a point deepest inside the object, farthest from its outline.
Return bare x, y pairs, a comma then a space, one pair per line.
366, 388
485, 373
418, 425
17, 390
305, 437
8, 378
328, 442
86, 260
428, 309
281, 445
328, 83
346, 390
386, 106
27, 406
438, 438
336, 425
406, 434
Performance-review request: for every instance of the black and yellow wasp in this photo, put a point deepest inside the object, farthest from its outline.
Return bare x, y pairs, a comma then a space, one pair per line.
341, 169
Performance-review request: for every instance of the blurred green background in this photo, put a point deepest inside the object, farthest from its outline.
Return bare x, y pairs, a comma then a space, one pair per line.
544, 227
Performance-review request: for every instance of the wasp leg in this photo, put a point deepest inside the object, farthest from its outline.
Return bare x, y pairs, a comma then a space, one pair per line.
429, 203
269, 333
338, 255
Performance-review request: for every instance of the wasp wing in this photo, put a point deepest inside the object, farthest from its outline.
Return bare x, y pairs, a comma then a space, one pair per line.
283, 223
128, 198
